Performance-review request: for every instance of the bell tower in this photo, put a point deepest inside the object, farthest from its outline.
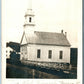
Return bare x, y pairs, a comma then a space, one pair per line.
29, 19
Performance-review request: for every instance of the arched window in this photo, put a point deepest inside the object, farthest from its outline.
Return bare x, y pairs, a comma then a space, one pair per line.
29, 19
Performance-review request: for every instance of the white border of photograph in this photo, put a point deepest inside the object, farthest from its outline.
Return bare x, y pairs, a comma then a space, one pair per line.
4, 40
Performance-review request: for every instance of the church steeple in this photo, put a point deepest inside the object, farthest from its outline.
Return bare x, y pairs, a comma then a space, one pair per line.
29, 16
29, 4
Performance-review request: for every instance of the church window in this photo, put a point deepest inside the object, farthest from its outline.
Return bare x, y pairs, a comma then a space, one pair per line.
29, 19
50, 54
38, 53
60, 54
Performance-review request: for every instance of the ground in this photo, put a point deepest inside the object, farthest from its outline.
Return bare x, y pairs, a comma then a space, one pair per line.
14, 70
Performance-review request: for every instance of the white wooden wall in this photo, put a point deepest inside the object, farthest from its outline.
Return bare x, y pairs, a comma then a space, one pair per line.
32, 53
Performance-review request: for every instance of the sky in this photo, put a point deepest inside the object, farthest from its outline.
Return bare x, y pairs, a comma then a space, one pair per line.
50, 16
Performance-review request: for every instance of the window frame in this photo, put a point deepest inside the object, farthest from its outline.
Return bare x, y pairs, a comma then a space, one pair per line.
30, 19
61, 54
38, 53
49, 54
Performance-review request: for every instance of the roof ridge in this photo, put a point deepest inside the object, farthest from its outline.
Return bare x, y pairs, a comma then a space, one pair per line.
47, 32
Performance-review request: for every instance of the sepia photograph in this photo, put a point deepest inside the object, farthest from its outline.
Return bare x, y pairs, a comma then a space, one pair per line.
41, 39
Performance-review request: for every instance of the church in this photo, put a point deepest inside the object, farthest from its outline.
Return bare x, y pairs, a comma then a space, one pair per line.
43, 48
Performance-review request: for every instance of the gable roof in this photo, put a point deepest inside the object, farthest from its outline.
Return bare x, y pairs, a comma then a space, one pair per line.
47, 38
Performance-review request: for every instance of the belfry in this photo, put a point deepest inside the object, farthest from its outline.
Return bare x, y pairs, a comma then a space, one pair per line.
29, 19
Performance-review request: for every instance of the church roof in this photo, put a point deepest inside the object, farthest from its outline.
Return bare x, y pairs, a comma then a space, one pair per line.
48, 38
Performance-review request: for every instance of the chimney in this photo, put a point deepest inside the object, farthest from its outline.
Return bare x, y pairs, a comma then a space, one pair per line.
65, 34
62, 31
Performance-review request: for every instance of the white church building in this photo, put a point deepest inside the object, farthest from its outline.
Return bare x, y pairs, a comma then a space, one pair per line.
43, 48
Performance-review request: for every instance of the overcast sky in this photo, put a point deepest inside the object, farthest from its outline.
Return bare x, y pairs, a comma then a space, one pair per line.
50, 15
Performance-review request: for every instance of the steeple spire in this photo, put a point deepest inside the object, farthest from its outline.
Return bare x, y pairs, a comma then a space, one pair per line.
29, 18
29, 4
